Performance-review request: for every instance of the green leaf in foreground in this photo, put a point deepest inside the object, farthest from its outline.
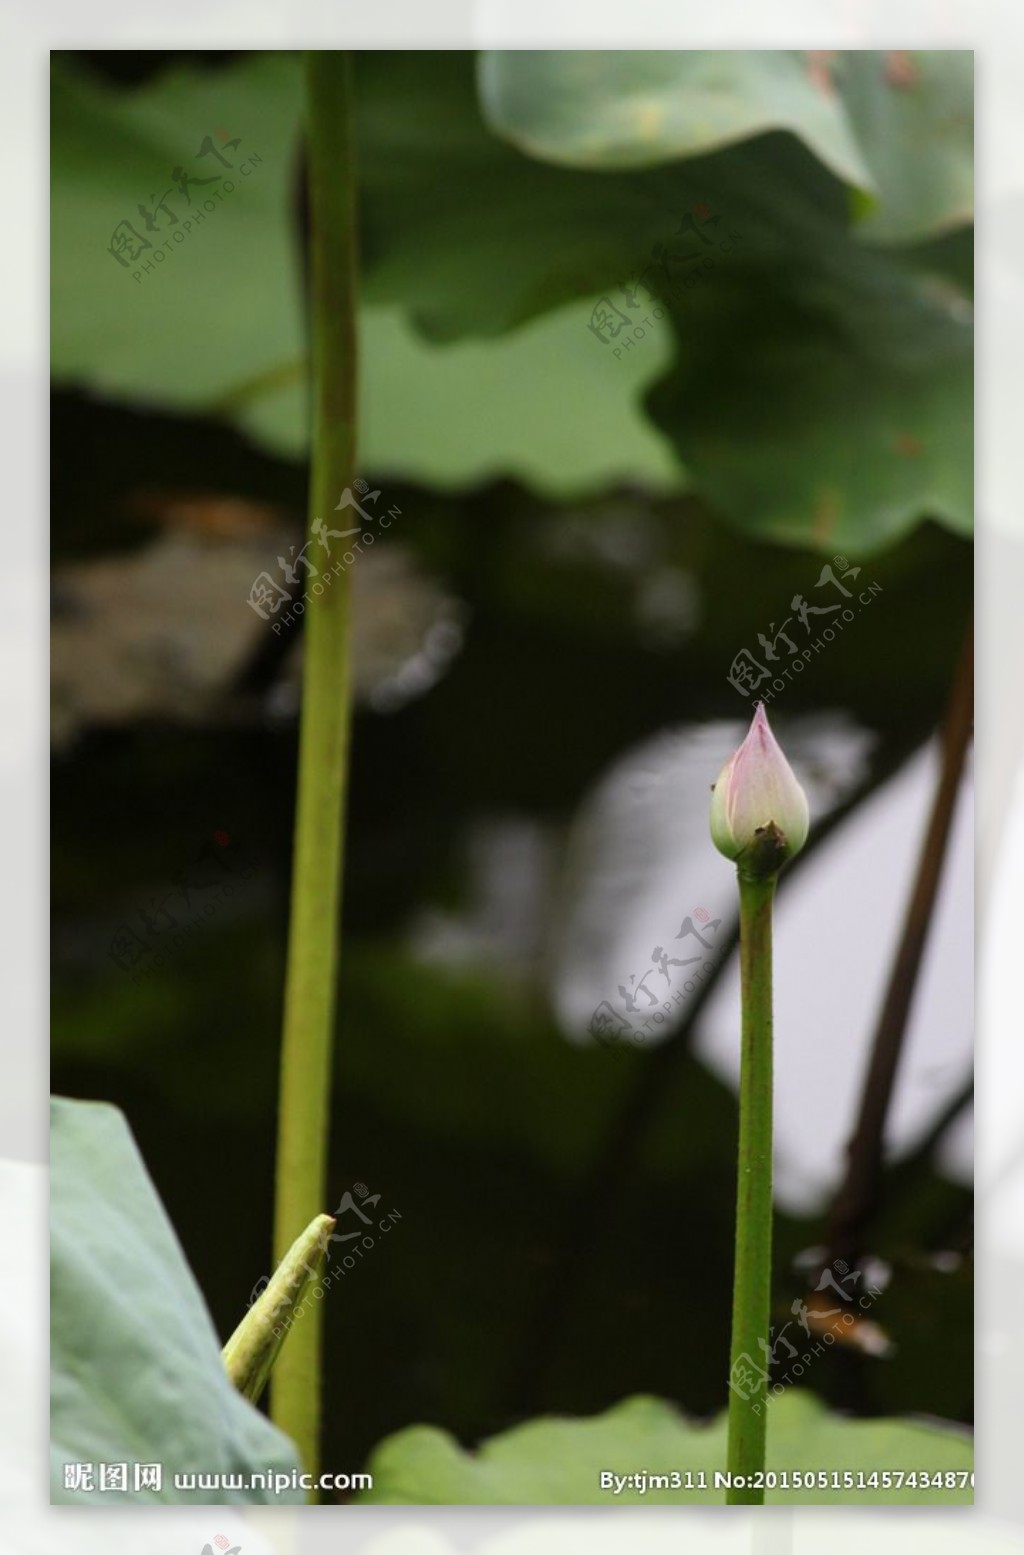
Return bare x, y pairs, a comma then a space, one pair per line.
553, 1462
136, 1370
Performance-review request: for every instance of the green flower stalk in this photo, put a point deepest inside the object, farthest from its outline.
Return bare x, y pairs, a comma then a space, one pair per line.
313, 933
759, 819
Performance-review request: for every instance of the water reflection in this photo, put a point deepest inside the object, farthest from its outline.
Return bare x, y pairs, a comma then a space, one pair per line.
640, 864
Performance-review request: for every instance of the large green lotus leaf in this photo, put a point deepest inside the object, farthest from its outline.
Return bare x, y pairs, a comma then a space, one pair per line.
223, 306
913, 116
826, 406
472, 411
463, 231
897, 126
217, 325
821, 393
136, 1370
602, 108
473, 237
807, 403
558, 1462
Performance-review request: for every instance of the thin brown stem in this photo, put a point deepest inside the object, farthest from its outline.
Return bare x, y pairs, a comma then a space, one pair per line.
655, 1074
857, 1198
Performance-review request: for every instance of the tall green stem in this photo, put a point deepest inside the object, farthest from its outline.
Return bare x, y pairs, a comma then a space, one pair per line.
309, 1002
751, 1296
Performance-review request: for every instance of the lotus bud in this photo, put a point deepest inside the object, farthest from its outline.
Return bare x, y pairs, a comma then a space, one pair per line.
252, 1350
759, 814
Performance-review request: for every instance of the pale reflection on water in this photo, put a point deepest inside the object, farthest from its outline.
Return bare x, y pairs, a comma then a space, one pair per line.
641, 867
640, 859
618, 923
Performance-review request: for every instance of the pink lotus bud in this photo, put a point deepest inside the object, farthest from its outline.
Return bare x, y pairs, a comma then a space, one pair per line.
759, 814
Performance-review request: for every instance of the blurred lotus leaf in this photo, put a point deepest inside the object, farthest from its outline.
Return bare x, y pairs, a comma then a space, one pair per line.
552, 1462
815, 386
